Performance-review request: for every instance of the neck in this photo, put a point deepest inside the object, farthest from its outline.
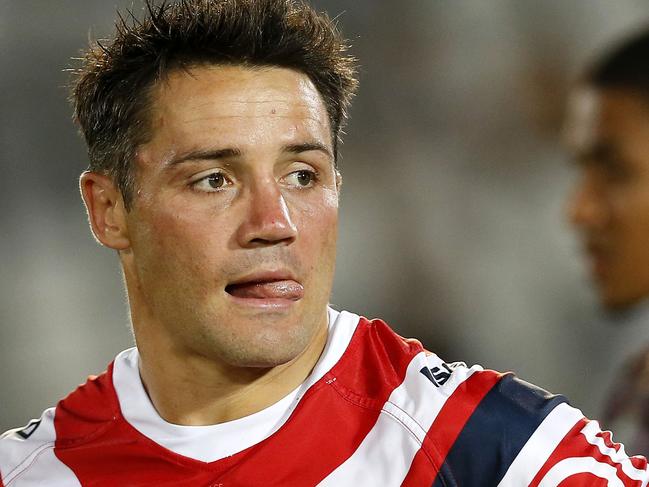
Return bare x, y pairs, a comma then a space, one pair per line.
193, 390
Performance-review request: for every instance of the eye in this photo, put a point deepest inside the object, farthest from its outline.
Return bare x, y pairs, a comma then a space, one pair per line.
301, 179
215, 180
211, 183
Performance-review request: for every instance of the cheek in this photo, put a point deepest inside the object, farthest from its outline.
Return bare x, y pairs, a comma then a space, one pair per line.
318, 230
629, 233
630, 208
175, 237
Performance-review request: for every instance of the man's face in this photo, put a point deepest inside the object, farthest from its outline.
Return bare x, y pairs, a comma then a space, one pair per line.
609, 132
233, 228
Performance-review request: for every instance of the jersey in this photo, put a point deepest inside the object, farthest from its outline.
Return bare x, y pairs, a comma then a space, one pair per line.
377, 410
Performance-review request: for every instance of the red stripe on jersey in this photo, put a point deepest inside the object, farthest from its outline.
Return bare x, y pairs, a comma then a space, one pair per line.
420, 472
446, 427
1, 484
584, 480
575, 445
102, 449
327, 426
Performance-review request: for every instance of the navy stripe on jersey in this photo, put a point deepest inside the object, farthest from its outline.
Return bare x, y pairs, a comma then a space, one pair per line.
495, 433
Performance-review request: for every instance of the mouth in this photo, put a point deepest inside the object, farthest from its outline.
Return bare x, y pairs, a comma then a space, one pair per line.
274, 289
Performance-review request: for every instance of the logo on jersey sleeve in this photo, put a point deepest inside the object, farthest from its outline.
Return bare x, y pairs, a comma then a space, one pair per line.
437, 375
29, 430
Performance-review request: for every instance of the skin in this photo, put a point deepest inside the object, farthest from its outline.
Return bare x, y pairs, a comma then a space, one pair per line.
608, 131
237, 183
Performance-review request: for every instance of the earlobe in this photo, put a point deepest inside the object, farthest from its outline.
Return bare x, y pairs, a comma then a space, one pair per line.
106, 211
339, 180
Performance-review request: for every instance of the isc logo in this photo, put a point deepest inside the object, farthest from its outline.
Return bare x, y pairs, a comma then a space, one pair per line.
437, 375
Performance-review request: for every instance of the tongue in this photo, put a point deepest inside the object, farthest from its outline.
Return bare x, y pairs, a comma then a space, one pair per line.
267, 290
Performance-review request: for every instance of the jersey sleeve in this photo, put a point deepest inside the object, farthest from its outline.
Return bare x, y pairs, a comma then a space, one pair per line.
569, 450
498, 430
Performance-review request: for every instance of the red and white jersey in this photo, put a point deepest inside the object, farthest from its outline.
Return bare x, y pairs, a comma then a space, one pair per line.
377, 410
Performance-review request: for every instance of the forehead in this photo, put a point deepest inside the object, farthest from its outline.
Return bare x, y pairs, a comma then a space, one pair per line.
242, 105
611, 116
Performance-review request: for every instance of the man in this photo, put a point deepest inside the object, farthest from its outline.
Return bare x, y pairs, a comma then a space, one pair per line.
212, 129
608, 130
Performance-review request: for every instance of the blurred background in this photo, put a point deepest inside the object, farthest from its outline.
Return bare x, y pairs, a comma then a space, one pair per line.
452, 226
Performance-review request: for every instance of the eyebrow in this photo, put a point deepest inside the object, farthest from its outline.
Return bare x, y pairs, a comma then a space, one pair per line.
605, 154
603, 151
231, 152
205, 155
306, 147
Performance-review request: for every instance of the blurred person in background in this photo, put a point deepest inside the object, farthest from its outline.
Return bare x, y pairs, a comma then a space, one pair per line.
212, 129
607, 129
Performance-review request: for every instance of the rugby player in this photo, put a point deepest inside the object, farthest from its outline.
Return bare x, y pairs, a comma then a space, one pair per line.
608, 133
213, 128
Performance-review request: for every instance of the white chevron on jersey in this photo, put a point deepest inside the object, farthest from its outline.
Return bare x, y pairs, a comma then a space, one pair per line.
572, 466
592, 433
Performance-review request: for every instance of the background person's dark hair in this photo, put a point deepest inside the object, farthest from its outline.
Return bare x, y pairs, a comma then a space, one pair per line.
625, 66
111, 94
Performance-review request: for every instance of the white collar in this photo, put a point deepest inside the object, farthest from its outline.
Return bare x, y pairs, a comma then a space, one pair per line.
211, 443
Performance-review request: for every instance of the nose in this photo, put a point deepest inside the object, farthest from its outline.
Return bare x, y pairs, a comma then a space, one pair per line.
586, 209
267, 220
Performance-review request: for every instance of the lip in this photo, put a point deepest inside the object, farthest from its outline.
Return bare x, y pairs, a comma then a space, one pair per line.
597, 267
264, 276
268, 304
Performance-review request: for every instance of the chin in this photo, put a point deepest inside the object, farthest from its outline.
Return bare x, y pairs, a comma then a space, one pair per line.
264, 347
262, 358
618, 304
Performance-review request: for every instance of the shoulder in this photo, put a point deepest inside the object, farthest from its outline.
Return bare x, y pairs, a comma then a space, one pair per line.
476, 426
27, 455
88, 410
420, 375
375, 343
374, 361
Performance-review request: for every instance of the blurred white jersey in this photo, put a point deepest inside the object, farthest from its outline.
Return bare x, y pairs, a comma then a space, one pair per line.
377, 410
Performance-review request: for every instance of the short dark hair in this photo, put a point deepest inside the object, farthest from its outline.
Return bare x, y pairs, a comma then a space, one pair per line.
112, 89
625, 66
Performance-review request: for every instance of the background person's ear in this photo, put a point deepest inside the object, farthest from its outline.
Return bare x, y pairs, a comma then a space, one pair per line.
106, 211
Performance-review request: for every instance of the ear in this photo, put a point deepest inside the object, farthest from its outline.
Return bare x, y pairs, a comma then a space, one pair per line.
339, 180
106, 211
